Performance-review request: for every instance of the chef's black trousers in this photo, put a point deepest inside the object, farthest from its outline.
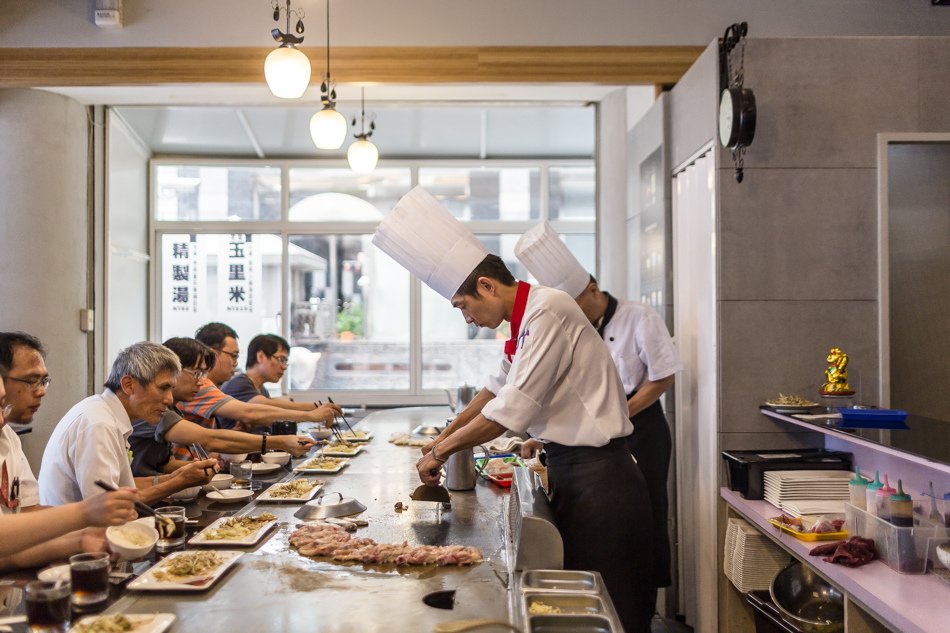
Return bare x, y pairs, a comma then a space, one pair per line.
602, 509
651, 444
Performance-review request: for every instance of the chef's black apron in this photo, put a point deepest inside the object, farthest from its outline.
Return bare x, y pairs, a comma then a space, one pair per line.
651, 444
602, 509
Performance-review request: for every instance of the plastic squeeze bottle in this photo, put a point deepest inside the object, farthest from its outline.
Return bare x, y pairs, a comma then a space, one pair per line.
871, 498
858, 490
902, 508
883, 500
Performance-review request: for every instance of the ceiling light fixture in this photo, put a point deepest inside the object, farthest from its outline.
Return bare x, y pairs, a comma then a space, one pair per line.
328, 127
287, 69
362, 154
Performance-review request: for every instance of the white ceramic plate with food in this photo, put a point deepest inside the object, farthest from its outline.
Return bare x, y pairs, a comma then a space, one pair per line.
140, 623
230, 495
245, 530
324, 465
337, 450
263, 468
356, 436
295, 490
189, 570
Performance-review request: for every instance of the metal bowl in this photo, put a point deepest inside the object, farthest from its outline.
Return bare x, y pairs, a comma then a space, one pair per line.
321, 508
807, 600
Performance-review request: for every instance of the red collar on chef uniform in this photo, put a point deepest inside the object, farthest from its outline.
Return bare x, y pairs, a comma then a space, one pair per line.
517, 313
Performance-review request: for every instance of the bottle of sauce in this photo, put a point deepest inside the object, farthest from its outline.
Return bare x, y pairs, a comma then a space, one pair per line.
871, 498
901, 507
858, 490
883, 500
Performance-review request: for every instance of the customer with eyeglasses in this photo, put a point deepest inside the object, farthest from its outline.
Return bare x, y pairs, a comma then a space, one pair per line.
267, 358
25, 379
151, 443
210, 403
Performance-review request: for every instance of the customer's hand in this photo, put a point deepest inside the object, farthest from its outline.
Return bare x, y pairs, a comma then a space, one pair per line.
325, 413
93, 539
195, 473
530, 448
110, 508
296, 445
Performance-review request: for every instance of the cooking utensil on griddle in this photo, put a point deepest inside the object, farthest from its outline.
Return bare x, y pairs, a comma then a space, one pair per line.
318, 509
437, 494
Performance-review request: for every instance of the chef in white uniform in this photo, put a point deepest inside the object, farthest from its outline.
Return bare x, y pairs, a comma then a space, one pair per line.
556, 382
645, 357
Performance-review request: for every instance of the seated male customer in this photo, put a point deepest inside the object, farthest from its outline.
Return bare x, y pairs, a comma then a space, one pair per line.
90, 443
210, 402
151, 448
24, 380
267, 359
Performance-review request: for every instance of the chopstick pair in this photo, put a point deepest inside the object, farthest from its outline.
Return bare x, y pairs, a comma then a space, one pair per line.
199, 453
141, 507
343, 417
333, 429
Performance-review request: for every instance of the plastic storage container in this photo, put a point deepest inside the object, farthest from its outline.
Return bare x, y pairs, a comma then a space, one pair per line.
903, 549
746, 468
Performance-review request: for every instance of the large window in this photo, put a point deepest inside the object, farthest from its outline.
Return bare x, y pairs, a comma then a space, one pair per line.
287, 248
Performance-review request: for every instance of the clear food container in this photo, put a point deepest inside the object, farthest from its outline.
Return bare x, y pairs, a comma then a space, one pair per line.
903, 549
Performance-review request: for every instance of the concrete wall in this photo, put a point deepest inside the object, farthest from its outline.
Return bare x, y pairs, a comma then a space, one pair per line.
43, 242
464, 23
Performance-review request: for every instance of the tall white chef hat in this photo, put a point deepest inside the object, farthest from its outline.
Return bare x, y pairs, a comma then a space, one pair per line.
423, 237
546, 257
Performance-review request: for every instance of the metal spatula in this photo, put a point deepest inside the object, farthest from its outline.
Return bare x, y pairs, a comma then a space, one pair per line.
437, 494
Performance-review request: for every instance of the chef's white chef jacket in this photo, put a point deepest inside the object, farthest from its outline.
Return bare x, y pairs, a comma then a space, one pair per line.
11, 454
640, 345
561, 385
89, 443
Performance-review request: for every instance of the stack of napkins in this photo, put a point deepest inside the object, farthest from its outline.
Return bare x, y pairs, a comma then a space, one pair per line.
783, 486
750, 559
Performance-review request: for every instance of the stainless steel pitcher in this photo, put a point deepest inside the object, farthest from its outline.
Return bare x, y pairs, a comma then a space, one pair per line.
460, 471
462, 396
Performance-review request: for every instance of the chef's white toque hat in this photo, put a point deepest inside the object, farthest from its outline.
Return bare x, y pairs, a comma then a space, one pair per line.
546, 257
423, 237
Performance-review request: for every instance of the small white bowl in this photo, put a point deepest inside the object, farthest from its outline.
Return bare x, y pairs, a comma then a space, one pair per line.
234, 458
52, 574
321, 433
187, 494
132, 541
943, 554
219, 482
231, 495
276, 457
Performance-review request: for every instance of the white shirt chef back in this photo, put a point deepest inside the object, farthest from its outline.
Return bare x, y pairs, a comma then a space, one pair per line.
640, 345
89, 443
562, 385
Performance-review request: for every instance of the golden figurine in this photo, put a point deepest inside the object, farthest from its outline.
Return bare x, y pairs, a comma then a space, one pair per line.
837, 374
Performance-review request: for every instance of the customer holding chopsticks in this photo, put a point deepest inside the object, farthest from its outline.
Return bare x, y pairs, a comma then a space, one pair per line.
90, 442
151, 442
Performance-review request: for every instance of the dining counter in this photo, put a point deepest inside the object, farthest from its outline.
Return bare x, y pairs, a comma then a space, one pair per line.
272, 588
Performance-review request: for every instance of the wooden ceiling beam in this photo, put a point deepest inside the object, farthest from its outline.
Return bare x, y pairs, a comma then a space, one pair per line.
609, 65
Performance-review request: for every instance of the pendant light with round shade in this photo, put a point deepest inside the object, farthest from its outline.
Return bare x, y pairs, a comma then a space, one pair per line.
362, 154
287, 68
328, 127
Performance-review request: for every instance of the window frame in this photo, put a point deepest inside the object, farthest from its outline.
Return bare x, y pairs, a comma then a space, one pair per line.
284, 228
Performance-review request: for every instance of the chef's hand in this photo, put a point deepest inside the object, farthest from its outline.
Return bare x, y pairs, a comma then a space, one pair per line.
426, 465
530, 448
296, 445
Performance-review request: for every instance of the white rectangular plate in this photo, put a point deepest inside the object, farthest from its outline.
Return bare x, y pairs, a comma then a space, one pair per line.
201, 538
329, 452
303, 469
141, 623
349, 438
266, 495
148, 581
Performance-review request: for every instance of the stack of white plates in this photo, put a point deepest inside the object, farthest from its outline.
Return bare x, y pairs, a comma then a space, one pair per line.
750, 559
813, 506
782, 486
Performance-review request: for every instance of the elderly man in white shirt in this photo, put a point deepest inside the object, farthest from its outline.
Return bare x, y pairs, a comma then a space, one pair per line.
557, 382
90, 443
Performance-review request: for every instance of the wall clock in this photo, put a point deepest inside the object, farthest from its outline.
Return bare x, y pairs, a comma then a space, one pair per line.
737, 111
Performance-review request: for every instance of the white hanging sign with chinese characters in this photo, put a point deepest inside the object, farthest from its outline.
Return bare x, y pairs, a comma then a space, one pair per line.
183, 274
239, 276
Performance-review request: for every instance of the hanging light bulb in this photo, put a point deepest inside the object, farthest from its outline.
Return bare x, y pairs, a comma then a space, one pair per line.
287, 69
328, 127
362, 154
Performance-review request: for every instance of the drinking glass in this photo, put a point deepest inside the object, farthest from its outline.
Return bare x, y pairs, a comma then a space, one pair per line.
243, 474
47, 606
170, 535
89, 574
